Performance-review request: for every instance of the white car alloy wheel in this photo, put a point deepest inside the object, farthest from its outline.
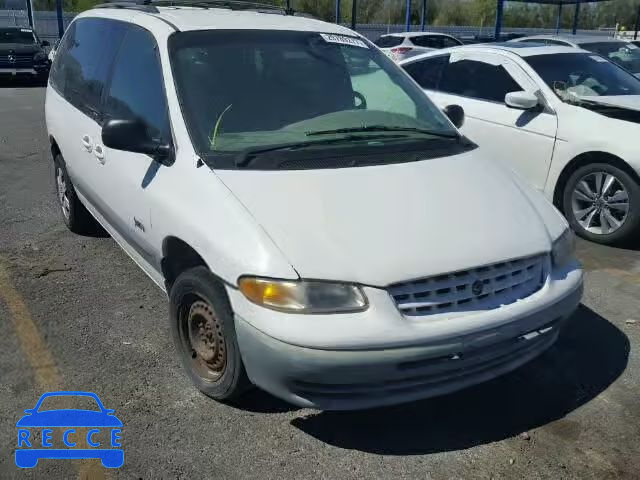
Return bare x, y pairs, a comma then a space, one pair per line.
63, 192
600, 203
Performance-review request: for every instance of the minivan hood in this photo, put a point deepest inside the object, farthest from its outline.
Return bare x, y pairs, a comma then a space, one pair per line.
378, 225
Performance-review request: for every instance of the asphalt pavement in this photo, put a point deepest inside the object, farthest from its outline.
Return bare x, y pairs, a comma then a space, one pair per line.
77, 314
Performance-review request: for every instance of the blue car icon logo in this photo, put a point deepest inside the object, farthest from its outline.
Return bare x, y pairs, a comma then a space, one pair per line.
102, 423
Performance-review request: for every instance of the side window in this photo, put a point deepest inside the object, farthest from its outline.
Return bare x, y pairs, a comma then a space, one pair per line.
450, 42
81, 71
428, 41
477, 79
557, 42
136, 90
56, 76
428, 72
388, 42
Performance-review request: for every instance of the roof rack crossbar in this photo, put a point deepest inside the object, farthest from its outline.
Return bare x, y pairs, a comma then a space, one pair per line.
150, 5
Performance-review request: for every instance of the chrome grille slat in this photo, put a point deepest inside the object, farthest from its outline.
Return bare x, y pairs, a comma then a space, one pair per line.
503, 283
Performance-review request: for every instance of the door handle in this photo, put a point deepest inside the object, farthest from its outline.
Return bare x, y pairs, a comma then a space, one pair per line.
87, 143
98, 151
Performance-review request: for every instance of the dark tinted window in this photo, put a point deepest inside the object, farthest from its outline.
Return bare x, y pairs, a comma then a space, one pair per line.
584, 74
84, 59
17, 35
557, 42
450, 42
388, 42
428, 72
428, 41
471, 78
136, 90
625, 54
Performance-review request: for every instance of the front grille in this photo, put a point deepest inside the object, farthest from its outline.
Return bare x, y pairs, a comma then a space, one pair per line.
482, 288
21, 60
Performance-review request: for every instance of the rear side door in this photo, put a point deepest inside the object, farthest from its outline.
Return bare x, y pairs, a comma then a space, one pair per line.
130, 185
78, 80
479, 82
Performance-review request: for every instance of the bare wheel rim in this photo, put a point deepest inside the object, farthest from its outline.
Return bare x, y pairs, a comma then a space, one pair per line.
600, 203
63, 192
203, 340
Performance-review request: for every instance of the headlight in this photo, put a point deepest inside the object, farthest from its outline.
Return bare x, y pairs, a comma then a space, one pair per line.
39, 57
563, 248
303, 296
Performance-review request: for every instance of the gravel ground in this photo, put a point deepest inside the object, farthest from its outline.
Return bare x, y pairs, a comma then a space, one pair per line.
99, 324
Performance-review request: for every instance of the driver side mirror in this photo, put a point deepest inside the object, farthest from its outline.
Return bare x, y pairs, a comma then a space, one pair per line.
132, 136
455, 113
44, 43
521, 100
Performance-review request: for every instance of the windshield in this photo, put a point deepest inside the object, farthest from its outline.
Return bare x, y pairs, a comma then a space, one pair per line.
13, 35
625, 54
583, 75
247, 90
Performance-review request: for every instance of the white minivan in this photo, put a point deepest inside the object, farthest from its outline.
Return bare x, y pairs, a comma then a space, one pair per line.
322, 230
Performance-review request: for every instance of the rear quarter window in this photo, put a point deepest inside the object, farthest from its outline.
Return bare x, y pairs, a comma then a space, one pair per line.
389, 42
83, 61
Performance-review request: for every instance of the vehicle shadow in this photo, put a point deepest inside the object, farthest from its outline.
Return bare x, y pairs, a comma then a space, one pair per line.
21, 82
590, 354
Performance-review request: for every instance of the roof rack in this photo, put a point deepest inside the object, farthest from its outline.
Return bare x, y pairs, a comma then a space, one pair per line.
150, 6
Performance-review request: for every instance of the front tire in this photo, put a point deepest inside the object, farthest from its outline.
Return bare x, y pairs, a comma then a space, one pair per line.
602, 204
204, 334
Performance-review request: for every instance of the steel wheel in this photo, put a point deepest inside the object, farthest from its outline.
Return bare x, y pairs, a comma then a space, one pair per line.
600, 203
63, 193
203, 335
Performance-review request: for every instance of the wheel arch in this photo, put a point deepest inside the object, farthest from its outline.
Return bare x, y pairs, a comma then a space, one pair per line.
178, 256
583, 159
55, 149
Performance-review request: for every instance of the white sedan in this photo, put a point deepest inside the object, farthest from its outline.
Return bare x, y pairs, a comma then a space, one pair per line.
563, 118
400, 46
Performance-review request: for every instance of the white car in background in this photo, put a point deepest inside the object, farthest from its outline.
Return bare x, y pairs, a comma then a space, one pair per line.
400, 46
624, 53
565, 119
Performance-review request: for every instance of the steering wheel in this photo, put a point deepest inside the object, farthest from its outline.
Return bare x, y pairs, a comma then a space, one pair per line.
363, 101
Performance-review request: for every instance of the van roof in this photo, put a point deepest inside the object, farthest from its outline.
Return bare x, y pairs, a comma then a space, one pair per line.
187, 18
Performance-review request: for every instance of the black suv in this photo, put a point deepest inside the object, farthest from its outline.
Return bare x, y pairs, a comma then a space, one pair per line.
22, 53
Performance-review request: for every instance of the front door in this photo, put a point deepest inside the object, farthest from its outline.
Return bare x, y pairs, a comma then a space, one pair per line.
523, 139
130, 180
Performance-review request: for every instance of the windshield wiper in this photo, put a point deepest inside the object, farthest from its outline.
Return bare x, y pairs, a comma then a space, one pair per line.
245, 157
384, 128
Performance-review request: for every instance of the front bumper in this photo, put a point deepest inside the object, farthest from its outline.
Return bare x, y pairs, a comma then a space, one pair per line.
34, 70
346, 379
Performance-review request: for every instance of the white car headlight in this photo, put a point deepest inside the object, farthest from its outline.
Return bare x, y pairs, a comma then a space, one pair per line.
39, 56
563, 248
303, 296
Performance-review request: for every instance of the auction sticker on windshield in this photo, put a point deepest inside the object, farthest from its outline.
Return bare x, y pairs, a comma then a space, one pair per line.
343, 40
92, 431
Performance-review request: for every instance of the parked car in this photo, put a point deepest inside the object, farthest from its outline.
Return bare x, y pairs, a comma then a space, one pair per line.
322, 230
561, 117
22, 53
622, 52
400, 46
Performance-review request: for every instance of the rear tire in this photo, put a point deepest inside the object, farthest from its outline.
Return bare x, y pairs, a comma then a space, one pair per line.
74, 214
609, 215
204, 334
